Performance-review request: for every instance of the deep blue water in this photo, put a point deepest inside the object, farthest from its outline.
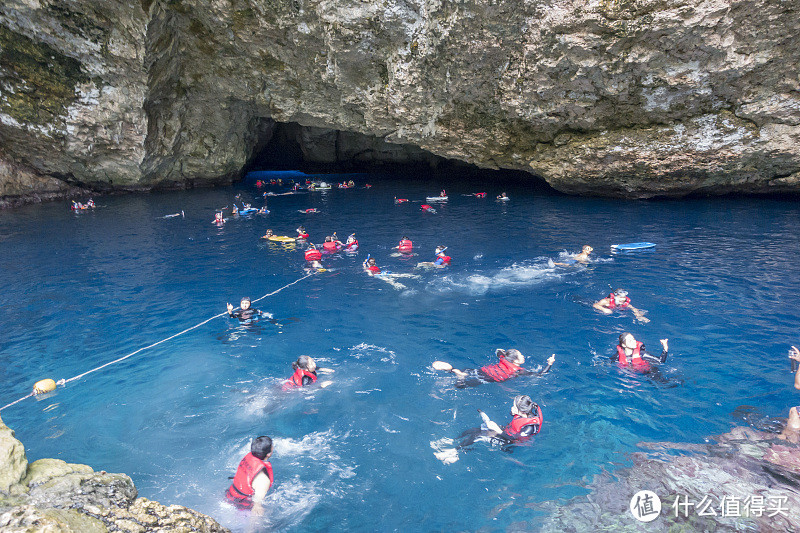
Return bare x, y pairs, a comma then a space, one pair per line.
80, 290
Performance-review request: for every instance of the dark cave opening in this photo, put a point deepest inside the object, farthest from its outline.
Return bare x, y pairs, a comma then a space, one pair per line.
291, 146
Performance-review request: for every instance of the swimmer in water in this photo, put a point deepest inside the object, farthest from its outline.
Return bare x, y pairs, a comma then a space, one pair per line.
352, 243
631, 353
234, 210
370, 267
510, 366
267, 235
441, 259
302, 234
263, 211
526, 421
90, 203
218, 219
619, 300
245, 312
400, 200
582, 257
305, 373
442, 194
792, 429
253, 477
502, 196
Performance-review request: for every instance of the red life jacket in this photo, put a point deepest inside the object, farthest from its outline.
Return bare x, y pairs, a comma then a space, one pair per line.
636, 358
446, 259
501, 371
425, 207
313, 255
297, 379
303, 236
405, 245
375, 269
613, 303
352, 246
514, 428
401, 200
330, 246
241, 490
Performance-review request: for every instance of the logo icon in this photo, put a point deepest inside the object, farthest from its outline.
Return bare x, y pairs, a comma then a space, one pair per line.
645, 506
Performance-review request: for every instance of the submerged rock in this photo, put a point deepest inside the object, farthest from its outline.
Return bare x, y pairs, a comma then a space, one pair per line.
50, 495
635, 99
745, 481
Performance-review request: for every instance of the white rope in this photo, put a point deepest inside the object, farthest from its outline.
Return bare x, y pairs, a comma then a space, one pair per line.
115, 361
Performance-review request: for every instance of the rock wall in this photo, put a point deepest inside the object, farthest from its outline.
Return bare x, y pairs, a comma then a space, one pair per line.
50, 495
630, 98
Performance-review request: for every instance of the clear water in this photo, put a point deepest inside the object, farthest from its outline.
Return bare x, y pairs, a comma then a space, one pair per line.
80, 290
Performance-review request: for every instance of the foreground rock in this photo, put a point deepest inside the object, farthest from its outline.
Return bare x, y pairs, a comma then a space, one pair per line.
635, 99
50, 495
752, 475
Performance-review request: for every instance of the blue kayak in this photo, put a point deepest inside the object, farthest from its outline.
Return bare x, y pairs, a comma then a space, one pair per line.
633, 246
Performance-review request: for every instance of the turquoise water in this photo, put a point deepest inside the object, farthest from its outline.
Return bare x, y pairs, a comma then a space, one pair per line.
82, 289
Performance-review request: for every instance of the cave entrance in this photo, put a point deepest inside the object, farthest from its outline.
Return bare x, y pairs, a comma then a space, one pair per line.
291, 146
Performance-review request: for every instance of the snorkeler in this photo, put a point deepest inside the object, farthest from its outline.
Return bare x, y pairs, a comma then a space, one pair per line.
267, 235
441, 259
370, 267
510, 366
631, 353
90, 203
302, 234
503, 196
245, 312
400, 200
794, 413
305, 373
253, 477
218, 219
582, 257
311, 210
405, 246
332, 244
352, 243
428, 209
619, 300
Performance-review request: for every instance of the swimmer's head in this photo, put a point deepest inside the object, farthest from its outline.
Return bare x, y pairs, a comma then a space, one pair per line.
587, 249
269, 232
440, 249
371, 261
306, 363
523, 405
513, 355
328, 239
404, 238
301, 228
245, 303
620, 295
627, 340
351, 238
261, 447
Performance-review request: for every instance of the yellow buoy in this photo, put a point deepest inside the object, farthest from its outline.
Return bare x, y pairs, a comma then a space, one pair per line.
44, 385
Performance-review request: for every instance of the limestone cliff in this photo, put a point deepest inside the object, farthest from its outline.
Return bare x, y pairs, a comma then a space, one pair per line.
50, 495
630, 98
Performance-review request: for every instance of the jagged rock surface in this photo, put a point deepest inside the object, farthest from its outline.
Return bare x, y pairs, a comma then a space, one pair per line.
630, 98
742, 464
50, 495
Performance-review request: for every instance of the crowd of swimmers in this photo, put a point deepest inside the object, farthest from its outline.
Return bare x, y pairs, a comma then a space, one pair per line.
254, 474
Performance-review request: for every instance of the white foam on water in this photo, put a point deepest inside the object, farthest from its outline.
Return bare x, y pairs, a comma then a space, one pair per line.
518, 275
372, 352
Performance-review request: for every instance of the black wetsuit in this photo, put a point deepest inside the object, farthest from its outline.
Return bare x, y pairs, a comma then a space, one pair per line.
245, 314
